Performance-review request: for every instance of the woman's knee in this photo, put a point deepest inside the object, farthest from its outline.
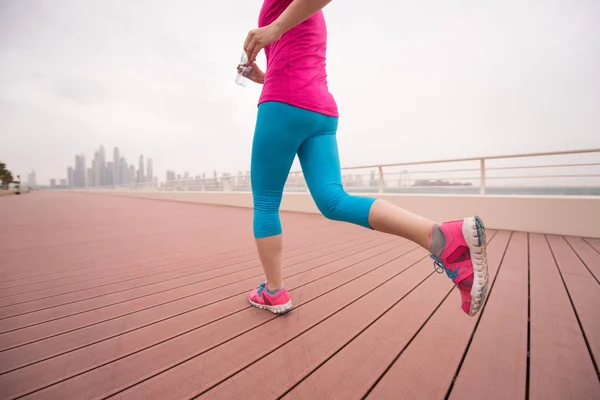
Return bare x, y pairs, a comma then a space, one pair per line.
266, 216
328, 202
338, 205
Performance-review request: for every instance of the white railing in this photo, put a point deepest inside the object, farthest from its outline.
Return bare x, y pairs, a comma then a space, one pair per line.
573, 172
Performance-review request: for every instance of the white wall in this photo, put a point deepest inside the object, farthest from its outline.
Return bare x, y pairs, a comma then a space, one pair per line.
569, 215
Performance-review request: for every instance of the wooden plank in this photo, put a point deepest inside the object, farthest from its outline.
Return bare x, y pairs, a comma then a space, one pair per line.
583, 290
203, 256
109, 252
180, 300
182, 331
83, 278
212, 243
84, 241
81, 242
589, 255
272, 376
560, 363
230, 343
144, 294
496, 362
77, 272
194, 311
438, 347
142, 283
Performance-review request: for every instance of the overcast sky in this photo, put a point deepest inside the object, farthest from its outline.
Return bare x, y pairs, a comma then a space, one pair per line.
413, 80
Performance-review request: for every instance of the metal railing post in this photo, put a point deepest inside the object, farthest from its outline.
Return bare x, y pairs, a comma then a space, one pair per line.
381, 182
482, 176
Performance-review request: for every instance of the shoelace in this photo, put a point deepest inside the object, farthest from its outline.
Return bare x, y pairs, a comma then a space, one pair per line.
440, 268
438, 264
261, 288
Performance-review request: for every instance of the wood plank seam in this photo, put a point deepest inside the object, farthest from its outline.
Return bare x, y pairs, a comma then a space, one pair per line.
358, 334
74, 313
129, 262
306, 244
325, 319
478, 320
588, 241
366, 395
212, 347
347, 255
585, 338
582, 260
381, 316
180, 362
195, 309
440, 344
317, 253
528, 358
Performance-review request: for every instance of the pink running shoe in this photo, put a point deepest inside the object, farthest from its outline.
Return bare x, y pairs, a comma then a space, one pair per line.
464, 259
277, 302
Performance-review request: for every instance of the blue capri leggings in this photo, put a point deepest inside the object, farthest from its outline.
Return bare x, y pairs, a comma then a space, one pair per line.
282, 131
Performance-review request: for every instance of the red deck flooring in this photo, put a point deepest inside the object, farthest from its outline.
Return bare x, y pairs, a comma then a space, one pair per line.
109, 297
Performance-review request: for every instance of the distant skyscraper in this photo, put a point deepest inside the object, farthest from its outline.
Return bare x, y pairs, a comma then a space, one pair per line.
140, 172
110, 174
131, 174
124, 179
150, 171
31, 179
90, 177
95, 170
52, 183
102, 167
81, 174
117, 167
70, 177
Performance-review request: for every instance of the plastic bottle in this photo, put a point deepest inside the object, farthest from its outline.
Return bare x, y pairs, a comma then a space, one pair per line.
243, 71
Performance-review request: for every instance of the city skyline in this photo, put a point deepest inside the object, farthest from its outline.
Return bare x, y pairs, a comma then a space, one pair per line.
101, 171
116, 172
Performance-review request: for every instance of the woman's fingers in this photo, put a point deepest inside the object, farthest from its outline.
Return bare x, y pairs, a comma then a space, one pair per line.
252, 51
249, 38
257, 47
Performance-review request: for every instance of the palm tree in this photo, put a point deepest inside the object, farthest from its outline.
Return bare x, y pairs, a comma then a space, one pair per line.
5, 176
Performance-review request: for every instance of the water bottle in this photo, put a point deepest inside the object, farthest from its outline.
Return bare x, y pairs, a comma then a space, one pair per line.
243, 71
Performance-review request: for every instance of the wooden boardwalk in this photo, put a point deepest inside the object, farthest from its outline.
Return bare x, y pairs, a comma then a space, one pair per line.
108, 297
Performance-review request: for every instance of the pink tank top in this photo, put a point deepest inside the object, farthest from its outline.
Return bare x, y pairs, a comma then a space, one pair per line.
296, 63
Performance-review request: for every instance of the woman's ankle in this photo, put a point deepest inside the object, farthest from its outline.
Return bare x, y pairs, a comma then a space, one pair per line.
275, 287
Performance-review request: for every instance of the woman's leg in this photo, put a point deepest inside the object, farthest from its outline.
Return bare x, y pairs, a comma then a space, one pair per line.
276, 140
321, 166
458, 247
273, 152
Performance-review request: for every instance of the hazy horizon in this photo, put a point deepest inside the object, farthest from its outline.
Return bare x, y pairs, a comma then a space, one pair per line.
412, 81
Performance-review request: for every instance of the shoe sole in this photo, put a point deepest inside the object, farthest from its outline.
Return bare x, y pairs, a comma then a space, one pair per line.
279, 310
474, 234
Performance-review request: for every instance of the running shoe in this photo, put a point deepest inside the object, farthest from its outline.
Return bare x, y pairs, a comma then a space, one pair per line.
278, 302
464, 259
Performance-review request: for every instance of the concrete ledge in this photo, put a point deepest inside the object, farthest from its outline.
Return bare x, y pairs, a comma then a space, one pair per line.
568, 215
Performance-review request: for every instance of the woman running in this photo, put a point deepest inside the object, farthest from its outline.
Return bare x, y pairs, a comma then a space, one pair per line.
298, 115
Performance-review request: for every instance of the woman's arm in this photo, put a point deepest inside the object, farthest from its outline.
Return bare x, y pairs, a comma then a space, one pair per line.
298, 11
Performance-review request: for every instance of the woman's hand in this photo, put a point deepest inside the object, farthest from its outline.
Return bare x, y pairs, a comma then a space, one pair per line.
257, 39
255, 74
297, 12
